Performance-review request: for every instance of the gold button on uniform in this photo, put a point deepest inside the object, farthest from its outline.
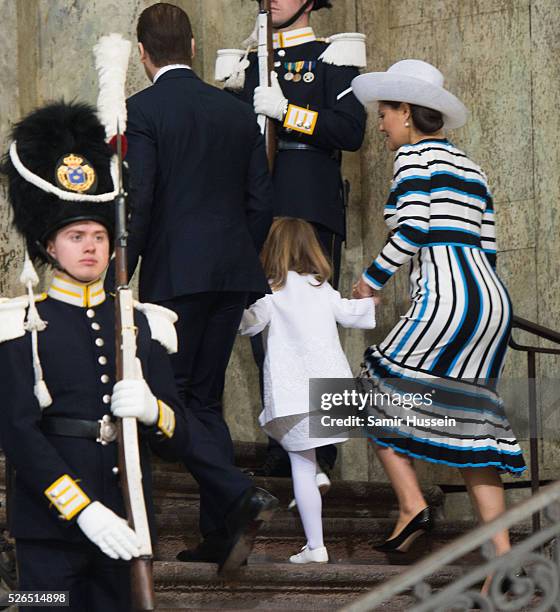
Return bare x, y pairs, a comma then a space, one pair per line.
106, 399
105, 379
281, 53
95, 326
102, 360
90, 313
99, 342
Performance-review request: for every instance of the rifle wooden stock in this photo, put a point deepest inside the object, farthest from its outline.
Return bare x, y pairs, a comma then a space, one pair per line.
141, 577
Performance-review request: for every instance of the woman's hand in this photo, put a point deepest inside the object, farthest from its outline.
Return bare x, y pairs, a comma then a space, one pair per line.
361, 289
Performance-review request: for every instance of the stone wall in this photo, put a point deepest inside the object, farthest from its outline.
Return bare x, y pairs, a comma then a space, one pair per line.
499, 56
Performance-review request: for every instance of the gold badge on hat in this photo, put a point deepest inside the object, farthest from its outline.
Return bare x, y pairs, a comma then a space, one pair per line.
75, 173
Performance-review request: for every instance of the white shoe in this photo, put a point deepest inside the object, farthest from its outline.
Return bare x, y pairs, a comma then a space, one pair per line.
323, 483
317, 555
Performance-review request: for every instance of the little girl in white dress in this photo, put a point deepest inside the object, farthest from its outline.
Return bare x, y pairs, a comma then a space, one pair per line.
302, 342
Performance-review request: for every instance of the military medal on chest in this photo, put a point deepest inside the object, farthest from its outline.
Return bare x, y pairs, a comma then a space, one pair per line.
289, 76
300, 71
309, 75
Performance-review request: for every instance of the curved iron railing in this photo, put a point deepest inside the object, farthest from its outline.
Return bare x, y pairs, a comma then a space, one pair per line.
531, 568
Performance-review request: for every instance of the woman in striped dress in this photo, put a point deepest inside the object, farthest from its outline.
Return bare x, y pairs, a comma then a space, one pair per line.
450, 345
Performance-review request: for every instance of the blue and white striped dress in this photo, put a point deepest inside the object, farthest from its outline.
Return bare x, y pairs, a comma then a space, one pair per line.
453, 339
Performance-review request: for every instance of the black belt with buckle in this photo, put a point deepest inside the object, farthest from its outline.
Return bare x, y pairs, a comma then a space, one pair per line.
287, 145
103, 431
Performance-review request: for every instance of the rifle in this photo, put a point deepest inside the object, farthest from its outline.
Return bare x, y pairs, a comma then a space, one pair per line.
265, 54
141, 577
111, 59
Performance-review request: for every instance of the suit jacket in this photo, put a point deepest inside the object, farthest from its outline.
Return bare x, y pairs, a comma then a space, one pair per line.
200, 190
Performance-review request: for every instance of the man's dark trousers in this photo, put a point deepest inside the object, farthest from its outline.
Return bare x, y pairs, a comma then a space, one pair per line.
206, 329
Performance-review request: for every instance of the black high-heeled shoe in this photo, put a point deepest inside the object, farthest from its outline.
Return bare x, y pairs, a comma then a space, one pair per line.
421, 523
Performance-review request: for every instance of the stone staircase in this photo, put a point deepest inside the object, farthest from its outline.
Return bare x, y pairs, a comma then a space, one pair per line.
355, 514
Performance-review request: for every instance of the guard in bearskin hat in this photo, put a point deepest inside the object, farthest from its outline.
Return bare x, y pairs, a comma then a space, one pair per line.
317, 116
57, 356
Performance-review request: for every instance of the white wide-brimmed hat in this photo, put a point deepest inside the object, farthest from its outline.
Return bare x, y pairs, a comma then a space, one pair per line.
415, 82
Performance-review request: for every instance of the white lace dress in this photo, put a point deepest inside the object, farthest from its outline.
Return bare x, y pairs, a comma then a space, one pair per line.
301, 342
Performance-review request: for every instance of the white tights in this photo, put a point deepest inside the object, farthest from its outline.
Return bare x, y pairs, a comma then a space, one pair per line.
307, 494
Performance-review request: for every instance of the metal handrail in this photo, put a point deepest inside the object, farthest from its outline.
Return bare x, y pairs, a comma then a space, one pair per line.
546, 334
536, 330
414, 578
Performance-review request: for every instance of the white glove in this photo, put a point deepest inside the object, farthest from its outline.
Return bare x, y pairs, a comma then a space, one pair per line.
108, 531
133, 398
270, 101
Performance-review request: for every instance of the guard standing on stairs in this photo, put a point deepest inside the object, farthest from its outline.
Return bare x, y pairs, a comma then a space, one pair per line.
57, 356
317, 117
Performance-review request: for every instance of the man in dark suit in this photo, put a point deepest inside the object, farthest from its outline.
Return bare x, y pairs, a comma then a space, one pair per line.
201, 197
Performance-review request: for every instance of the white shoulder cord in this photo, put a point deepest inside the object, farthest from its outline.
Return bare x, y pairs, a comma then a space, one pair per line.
34, 324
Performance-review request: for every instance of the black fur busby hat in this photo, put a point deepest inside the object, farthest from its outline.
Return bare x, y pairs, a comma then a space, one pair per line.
59, 172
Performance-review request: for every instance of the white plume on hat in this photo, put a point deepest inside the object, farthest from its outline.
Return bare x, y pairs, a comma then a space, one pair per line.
415, 82
111, 61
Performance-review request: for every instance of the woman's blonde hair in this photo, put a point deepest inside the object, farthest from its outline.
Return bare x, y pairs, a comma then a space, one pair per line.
292, 244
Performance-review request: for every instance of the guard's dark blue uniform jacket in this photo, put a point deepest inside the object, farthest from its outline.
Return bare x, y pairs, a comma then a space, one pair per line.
307, 183
77, 354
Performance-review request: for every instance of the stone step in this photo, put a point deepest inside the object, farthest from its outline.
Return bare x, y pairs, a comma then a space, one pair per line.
287, 524
348, 540
172, 601
277, 585
247, 455
341, 550
179, 490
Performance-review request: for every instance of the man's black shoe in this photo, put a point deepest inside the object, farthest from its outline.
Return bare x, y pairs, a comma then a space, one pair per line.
275, 465
213, 549
243, 521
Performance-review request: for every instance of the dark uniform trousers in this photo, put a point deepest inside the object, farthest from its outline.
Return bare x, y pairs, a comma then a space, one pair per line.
94, 582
